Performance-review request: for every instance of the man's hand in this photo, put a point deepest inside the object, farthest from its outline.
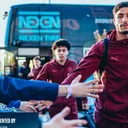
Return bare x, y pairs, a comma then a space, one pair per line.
26, 107
41, 105
86, 89
58, 121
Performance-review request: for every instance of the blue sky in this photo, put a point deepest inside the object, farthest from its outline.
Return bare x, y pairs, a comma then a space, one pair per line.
6, 5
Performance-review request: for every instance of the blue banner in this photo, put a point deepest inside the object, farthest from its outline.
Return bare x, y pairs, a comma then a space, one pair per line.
18, 120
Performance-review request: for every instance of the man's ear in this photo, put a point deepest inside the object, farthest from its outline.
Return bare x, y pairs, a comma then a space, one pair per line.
53, 53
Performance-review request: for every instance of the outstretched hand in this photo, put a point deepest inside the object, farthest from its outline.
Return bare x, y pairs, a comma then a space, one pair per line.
58, 121
90, 88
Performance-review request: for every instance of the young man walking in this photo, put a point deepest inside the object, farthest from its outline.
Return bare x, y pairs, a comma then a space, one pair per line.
112, 105
56, 71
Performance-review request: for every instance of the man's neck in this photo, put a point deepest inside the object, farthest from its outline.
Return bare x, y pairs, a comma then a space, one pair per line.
61, 62
120, 36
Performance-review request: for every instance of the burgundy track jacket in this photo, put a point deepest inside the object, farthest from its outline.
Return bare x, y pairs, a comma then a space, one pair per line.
113, 102
54, 72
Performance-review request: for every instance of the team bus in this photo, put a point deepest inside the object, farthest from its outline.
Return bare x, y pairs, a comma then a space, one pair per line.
32, 28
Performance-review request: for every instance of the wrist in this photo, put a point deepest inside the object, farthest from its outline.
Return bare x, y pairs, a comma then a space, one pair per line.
69, 91
62, 91
22, 103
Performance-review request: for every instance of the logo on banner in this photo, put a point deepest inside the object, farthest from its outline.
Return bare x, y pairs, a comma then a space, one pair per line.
39, 26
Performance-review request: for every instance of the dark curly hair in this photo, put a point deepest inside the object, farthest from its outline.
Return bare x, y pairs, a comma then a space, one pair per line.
60, 42
119, 6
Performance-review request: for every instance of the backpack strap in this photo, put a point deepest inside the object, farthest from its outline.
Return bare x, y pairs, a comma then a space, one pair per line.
105, 56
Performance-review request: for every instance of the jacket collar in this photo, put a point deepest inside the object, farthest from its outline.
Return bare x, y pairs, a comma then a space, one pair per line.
57, 64
112, 37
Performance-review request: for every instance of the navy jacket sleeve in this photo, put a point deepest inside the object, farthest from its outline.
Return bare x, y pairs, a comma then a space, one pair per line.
21, 89
14, 103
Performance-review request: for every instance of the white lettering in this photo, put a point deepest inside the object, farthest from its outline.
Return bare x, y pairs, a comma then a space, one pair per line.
39, 22
103, 21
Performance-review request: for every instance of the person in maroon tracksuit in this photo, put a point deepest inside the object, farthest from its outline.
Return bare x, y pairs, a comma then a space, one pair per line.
56, 71
112, 105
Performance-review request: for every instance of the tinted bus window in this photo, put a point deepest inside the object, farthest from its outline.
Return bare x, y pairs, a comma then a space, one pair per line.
41, 25
81, 21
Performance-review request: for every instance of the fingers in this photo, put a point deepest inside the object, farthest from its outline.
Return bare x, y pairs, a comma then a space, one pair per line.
92, 82
41, 105
31, 109
92, 90
76, 122
93, 95
42, 108
34, 103
28, 108
96, 88
46, 103
77, 79
38, 106
64, 112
